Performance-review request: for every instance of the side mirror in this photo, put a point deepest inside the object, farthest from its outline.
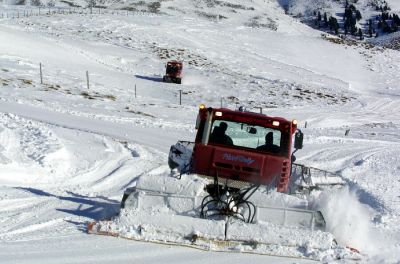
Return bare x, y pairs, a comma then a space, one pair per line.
298, 140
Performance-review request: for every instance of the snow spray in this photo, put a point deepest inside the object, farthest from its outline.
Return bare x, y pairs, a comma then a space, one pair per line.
348, 220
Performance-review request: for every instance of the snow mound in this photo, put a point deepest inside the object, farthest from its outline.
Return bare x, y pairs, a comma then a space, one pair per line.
29, 149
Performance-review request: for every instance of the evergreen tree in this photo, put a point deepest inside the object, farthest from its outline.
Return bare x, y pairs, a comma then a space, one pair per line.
353, 30
347, 13
385, 27
396, 19
394, 27
358, 15
370, 30
335, 25
352, 25
346, 25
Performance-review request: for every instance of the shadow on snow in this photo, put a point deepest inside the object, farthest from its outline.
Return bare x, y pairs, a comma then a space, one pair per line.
149, 78
96, 208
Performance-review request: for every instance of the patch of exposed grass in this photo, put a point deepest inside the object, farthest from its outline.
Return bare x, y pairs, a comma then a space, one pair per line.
210, 16
4, 82
96, 95
53, 87
87, 95
110, 97
138, 112
26, 81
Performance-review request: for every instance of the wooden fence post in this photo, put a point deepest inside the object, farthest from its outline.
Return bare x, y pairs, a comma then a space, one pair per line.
87, 79
41, 73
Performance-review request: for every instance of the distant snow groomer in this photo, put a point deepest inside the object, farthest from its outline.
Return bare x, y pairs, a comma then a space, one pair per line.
173, 72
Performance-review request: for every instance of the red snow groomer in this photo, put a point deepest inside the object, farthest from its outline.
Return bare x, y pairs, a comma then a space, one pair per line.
239, 152
173, 72
229, 190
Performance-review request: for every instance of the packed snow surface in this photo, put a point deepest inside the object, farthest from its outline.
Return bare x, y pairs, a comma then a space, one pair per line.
67, 152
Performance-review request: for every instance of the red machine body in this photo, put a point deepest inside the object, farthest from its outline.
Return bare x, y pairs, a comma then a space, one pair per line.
243, 158
173, 72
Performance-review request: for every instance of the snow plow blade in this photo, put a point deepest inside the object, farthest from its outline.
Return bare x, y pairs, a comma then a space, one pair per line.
211, 235
166, 210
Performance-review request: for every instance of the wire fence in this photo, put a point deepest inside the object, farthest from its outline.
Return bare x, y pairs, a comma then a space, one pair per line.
47, 11
179, 93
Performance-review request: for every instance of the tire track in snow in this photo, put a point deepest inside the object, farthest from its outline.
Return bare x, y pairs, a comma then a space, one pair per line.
358, 161
32, 228
18, 218
122, 163
54, 212
64, 206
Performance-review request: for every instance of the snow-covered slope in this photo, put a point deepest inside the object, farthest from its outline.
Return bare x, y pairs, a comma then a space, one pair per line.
68, 152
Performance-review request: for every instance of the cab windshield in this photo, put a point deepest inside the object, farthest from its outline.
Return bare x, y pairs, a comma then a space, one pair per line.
171, 68
244, 135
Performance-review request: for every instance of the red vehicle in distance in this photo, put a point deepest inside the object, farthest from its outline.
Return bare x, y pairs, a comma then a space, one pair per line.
173, 72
